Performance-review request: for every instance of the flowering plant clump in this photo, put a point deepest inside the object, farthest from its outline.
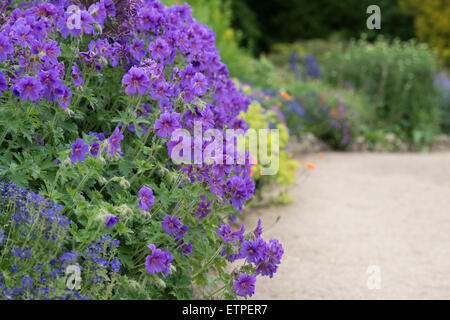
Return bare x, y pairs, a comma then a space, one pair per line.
91, 95
36, 254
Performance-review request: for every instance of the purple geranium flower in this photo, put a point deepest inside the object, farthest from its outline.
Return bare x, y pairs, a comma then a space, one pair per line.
29, 87
79, 149
158, 261
251, 249
76, 76
203, 207
167, 124
258, 230
95, 148
146, 198
159, 49
171, 224
199, 84
136, 79
245, 285
187, 248
3, 82
6, 47
111, 220
137, 49
114, 141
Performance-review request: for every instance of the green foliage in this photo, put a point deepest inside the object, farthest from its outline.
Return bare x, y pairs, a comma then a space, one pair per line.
397, 77
432, 23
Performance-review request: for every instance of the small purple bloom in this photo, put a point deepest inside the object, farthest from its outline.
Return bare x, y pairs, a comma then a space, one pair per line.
79, 149
251, 249
146, 198
29, 87
245, 285
203, 208
167, 124
3, 82
258, 230
76, 76
38, 139
158, 261
159, 49
95, 148
171, 225
114, 141
181, 232
111, 220
136, 79
6, 47
137, 49
187, 248
199, 84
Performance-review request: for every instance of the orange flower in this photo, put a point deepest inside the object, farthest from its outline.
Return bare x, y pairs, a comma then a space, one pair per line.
320, 154
310, 166
254, 161
286, 95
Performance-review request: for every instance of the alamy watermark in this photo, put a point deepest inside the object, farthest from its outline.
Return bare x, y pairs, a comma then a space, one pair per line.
74, 19
374, 20
73, 274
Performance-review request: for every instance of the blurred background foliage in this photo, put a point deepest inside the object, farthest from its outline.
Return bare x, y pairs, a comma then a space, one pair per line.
265, 23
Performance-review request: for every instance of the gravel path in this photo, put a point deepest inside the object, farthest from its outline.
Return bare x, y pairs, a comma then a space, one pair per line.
391, 211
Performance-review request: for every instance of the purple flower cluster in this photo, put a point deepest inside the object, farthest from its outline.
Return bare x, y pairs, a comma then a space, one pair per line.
80, 148
174, 227
36, 274
25, 42
203, 208
100, 255
266, 256
245, 285
167, 124
311, 67
146, 198
158, 261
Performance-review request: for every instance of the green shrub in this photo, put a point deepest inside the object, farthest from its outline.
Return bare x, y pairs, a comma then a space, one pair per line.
398, 78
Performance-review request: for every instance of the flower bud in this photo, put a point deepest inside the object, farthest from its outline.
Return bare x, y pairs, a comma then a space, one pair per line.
69, 112
124, 183
160, 283
125, 210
